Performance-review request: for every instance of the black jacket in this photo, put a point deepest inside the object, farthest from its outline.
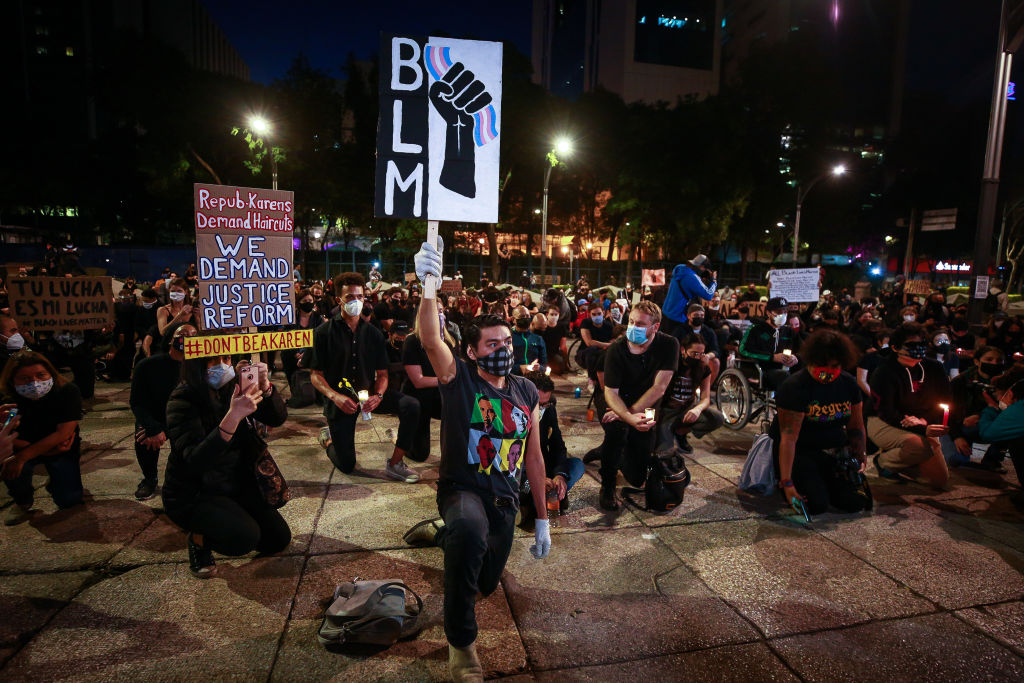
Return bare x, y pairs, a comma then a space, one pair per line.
201, 462
152, 383
894, 397
552, 445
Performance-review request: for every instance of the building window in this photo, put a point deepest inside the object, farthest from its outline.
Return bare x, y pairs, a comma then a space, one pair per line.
675, 33
41, 50
69, 51
42, 31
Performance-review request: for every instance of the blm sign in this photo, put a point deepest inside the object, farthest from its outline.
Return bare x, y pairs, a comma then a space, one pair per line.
244, 254
62, 303
438, 134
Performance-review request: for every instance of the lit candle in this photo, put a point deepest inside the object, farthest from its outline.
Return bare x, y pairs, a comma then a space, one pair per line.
787, 352
547, 370
649, 413
363, 395
945, 414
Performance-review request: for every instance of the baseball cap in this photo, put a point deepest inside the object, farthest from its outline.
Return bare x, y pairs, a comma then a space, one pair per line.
698, 261
777, 303
399, 327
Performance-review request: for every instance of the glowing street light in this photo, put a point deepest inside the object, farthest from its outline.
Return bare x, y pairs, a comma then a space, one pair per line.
262, 128
563, 147
801, 194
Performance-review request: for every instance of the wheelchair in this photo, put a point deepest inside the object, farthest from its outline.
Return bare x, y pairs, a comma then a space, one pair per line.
741, 396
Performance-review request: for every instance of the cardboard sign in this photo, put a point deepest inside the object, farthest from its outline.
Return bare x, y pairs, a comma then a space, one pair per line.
755, 309
244, 255
439, 127
410, 277
61, 303
231, 344
653, 277
981, 287
921, 287
451, 286
798, 285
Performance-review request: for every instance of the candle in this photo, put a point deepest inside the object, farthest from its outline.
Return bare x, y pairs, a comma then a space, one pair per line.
945, 414
787, 352
648, 413
363, 395
547, 370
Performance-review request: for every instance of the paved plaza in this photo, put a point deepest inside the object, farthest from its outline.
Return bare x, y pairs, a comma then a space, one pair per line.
927, 587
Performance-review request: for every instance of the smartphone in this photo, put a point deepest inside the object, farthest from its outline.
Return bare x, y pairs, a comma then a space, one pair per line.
11, 414
798, 505
248, 376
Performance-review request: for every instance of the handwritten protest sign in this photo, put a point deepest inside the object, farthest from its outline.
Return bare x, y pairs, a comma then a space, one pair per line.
755, 309
410, 277
244, 249
451, 286
231, 344
923, 287
795, 284
653, 277
62, 303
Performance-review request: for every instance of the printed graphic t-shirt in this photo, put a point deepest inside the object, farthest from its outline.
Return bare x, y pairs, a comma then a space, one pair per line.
483, 443
827, 408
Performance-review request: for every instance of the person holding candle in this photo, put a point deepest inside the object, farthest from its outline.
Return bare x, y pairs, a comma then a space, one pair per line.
767, 341
1002, 421
906, 422
969, 401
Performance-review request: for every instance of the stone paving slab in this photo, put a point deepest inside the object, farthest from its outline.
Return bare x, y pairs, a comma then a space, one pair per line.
787, 579
156, 622
621, 594
945, 562
996, 517
929, 648
739, 663
1004, 622
357, 517
424, 658
29, 601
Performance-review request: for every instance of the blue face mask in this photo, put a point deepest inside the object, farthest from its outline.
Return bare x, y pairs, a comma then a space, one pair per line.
598, 319
219, 375
637, 335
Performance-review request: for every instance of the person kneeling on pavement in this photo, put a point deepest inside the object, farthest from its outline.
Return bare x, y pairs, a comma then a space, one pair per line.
687, 407
1002, 422
638, 369
907, 390
490, 436
561, 472
969, 400
819, 429
210, 488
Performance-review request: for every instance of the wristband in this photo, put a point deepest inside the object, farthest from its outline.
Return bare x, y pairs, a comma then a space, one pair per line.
225, 431
786, 483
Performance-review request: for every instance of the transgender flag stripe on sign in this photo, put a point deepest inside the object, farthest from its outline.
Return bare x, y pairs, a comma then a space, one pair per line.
486, 126
438, 61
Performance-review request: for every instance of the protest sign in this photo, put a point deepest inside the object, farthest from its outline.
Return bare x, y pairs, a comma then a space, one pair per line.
231, 344
61, 303
755, 309
981, 287
410, 277
653, 277
451, 286
437, 137
922, 287
244, 248
796, 285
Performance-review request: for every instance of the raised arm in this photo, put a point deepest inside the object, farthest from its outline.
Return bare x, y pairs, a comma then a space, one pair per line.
428, 262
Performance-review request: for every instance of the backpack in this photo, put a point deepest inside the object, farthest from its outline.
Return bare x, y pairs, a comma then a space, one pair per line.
370, 613
303, 393
667, 479
758, 475
991, 304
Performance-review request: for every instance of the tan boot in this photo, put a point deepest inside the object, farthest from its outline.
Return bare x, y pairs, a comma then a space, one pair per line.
464, 665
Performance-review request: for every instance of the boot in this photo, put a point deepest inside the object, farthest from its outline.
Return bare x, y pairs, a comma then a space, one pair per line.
464, 665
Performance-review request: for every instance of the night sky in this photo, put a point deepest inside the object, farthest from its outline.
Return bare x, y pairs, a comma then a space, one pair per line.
269, 35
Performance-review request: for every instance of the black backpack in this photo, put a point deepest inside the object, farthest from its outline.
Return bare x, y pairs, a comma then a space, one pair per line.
667, 479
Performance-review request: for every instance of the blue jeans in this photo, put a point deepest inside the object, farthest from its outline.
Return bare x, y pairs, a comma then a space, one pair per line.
574, 468
65, 483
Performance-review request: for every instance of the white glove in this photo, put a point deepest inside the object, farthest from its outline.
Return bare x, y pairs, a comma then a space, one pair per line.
428, 260
542, 539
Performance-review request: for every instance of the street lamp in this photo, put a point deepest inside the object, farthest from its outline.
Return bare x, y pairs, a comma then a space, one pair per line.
562, 147
262, 128
801, 194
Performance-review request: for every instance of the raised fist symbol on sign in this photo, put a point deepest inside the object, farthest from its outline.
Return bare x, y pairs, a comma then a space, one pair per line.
464, 104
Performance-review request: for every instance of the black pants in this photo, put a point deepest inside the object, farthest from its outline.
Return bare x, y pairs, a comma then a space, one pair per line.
232, 526
773, 378
625, 448
430, 407
815, 479
476, 539
65, 483
148, 461
82, 364
342, 451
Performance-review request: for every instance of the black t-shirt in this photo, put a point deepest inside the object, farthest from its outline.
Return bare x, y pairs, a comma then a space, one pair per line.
601, 333
633, 374
39, 418
413, 353
553, 336
339, 353
483, 442
685, 382
827, 408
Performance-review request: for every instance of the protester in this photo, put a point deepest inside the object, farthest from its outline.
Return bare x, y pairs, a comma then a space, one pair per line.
554, 340
820, 428
11, 339
596, 333
528, 348
145, 318
421, 384
969, 400
695, 325
210, 488
767, 341
180, 309
687, 286
397, 334
687, 407
907, 390
152, 383
491, 419
349, 356
873, 356
638, 369
1002, 422
49, 410
307, 318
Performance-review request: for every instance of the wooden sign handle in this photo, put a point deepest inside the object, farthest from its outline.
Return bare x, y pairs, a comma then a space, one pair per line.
432, 284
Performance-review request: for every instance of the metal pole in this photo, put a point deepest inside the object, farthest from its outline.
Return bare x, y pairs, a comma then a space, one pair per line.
908, 264
544, 226
796, 226
273, 169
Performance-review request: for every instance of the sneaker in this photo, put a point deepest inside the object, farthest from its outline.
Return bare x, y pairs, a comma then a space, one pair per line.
884, 473
423, 533
684, 445
17, 514
200, 560
325, 437
400, 472
146, 490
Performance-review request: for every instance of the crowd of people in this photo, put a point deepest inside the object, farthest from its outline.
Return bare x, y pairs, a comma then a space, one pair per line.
899, 379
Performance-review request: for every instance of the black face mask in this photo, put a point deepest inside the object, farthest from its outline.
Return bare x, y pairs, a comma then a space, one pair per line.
916, 350
697, 321
992, 369
306, 306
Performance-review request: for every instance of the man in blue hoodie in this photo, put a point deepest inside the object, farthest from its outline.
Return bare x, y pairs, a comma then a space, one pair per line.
687, 286
1003, 422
